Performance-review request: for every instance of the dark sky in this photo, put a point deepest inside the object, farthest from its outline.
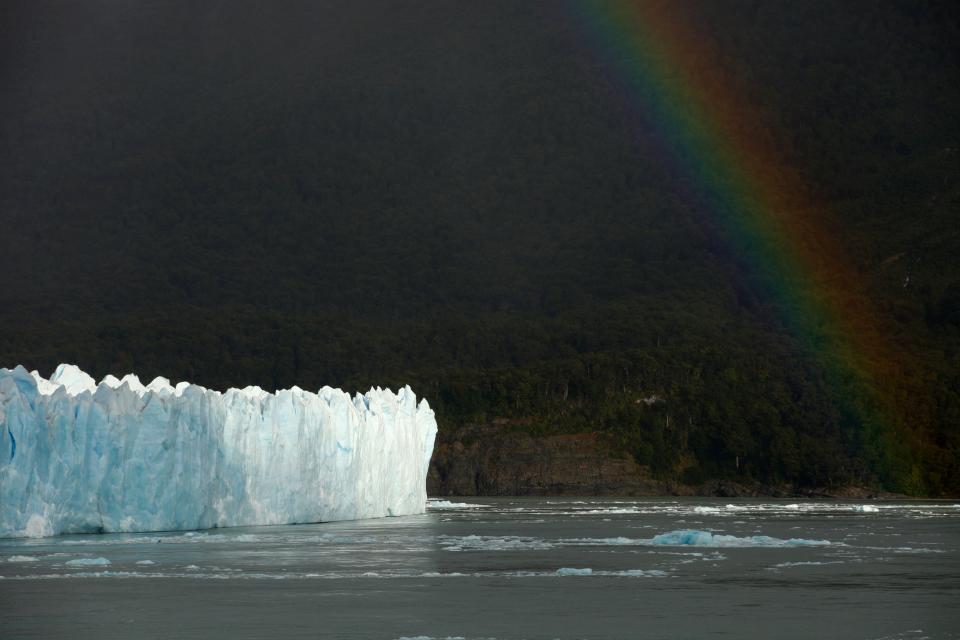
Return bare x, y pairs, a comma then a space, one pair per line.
154, 132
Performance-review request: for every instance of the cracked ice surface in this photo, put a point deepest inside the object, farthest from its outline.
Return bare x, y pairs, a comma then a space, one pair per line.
77, 457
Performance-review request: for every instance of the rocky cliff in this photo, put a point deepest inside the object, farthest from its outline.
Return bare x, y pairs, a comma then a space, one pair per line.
499, 459
495, 459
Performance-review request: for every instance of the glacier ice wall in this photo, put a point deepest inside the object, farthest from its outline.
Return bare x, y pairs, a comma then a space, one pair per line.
76, 456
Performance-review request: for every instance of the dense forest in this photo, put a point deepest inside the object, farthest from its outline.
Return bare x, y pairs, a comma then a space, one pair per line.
460, 196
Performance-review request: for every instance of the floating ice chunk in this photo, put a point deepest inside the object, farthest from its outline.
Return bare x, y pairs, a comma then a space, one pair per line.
599, 542
494, 543
695, 538
145, 562
76, 457
684, 537
445, 504
628, 573
614, 511
21, 559
866, 508
88, 562
811, 563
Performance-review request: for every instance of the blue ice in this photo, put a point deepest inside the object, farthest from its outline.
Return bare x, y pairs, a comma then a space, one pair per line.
695, 538
121, 456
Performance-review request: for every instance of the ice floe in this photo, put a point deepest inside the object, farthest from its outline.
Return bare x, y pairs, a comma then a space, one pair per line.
679, 538
87, 562
697, 538
446, 504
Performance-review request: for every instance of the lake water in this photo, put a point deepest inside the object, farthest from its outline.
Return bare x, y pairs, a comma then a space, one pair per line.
510, 569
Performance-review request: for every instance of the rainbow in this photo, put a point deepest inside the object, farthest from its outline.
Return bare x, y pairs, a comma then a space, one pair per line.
718, 142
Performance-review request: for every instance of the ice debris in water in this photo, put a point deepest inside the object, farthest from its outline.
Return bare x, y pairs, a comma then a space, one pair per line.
21, 559
683, 537
88, 562
446, 504
695, 538
866, 508
628, 573
121, 456
806, 563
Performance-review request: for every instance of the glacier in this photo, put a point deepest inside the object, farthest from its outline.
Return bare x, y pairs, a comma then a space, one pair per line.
121, 456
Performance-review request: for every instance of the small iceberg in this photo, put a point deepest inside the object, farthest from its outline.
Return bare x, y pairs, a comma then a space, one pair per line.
628, 573
709, 509
695, 538
446, 504
88, 562
866, 508
21, 559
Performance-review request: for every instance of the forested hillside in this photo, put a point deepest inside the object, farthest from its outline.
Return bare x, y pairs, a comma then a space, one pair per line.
461, 196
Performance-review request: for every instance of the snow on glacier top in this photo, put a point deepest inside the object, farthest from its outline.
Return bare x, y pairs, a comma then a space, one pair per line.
75, 381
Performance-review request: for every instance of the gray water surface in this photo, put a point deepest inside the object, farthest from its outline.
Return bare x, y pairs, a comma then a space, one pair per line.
510, 569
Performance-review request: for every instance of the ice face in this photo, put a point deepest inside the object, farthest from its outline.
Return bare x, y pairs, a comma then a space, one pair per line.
77, 457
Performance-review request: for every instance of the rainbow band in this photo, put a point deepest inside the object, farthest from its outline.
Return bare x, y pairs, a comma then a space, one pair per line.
717, 141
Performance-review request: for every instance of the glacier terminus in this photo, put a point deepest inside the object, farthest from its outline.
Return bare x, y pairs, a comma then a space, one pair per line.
120, 456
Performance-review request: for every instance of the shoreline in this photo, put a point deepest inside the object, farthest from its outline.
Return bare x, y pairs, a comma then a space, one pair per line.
723, 489
490, 460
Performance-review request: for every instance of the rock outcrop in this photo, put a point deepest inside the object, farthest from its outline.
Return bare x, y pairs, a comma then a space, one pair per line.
500, 459
495, 459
